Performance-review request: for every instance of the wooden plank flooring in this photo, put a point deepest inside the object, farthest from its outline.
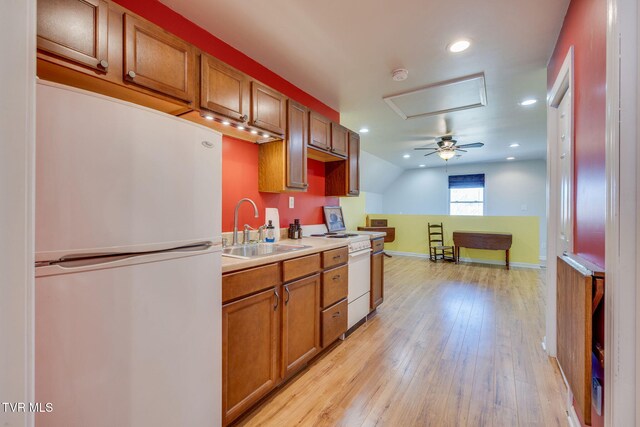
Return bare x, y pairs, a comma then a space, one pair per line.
452, 345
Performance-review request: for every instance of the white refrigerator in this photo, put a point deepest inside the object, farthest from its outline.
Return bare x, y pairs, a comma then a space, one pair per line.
128, 275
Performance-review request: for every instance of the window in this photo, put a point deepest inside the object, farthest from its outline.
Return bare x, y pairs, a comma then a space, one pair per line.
466, 194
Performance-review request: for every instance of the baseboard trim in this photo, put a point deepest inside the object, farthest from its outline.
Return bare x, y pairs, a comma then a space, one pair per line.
474, 260
572, 417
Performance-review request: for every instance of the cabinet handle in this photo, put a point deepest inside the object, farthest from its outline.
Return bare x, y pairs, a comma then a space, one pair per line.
336, 277
275, 307
104, 64
244, 118
131, 74
336, 314
286, 289
337, 257
305, 185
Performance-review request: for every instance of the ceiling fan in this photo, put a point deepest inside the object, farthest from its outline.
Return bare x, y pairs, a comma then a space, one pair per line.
447, 147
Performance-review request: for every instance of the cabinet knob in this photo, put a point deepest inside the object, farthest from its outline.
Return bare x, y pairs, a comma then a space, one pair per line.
305, 185
104, 64
336, 314
131, 74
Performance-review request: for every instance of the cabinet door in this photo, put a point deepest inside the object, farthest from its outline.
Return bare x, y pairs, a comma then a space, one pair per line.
223, 90
339, 139
297, 133
377, 279
319, 131
75, 30
249, 351
158, 60
268, 109
353, 169
300, 323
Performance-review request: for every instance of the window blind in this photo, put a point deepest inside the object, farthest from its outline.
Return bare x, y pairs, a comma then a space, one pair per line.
466, 181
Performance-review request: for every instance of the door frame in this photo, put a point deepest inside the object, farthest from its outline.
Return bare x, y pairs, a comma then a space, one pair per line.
563, 86
17, 178
622, 330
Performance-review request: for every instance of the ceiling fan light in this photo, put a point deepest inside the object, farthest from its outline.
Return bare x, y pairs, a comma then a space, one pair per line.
446, 154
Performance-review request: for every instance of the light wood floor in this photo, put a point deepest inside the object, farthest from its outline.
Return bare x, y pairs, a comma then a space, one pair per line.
450, 346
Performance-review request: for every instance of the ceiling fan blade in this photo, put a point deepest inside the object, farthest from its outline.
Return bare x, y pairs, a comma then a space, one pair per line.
425, 148
428, 154
459, 149
474, 145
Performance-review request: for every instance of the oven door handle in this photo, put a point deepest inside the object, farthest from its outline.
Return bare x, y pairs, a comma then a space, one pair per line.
360, 253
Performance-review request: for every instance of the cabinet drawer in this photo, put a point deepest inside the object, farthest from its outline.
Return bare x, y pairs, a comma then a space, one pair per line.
243, 283
334, 285
334, 322
377, 244
335, 257
300, 267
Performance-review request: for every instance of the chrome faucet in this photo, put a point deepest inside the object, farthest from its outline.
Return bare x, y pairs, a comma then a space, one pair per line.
235, 218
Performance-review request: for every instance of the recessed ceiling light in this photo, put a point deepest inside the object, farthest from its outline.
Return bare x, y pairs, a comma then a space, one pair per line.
459, 46
255, 132
514, 145
364, 130
511, 158
406, 156
240, 127
225, 123
208, 117
529, 101
266, 135
422, 166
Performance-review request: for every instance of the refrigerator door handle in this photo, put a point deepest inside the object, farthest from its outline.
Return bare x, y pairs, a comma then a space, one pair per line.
71, 263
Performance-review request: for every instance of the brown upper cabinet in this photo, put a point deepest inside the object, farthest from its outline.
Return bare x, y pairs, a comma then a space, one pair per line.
223, 89
343, 177
268, 109
353, 170
297, 134
339, 139
282, 165
319, 131
158, 60
76, 30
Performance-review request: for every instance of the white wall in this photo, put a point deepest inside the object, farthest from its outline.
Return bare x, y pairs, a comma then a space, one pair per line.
511, 189
17, 144
374, 203
376, 174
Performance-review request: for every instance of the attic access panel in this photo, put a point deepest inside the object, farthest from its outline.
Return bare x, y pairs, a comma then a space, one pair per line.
442, 97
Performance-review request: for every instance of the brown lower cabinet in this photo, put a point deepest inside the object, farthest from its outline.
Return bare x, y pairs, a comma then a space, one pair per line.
377, 273
300, 323
271, 329
250, 328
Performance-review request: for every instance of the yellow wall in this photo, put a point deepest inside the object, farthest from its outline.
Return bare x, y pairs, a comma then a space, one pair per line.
353, 210
411, 234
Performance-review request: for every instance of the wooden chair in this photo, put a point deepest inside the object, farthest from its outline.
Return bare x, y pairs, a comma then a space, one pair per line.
437, 248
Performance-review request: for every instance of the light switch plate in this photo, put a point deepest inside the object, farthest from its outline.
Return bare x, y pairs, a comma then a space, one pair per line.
291, 202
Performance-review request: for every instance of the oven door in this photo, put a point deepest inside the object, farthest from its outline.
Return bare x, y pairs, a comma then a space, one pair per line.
359, 286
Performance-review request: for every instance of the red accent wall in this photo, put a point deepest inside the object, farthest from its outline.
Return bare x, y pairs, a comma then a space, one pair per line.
240, 158
240, 179
177, 24
585, 28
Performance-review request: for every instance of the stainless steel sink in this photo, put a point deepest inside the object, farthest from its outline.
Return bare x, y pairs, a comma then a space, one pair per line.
256, 250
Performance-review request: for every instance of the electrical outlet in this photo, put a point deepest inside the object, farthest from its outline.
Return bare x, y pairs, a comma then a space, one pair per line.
291, 202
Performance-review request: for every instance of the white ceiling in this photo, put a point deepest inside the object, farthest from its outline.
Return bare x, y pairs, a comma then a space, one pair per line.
343, 51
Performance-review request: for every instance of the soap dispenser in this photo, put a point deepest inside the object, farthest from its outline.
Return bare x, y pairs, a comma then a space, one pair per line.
270, 236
